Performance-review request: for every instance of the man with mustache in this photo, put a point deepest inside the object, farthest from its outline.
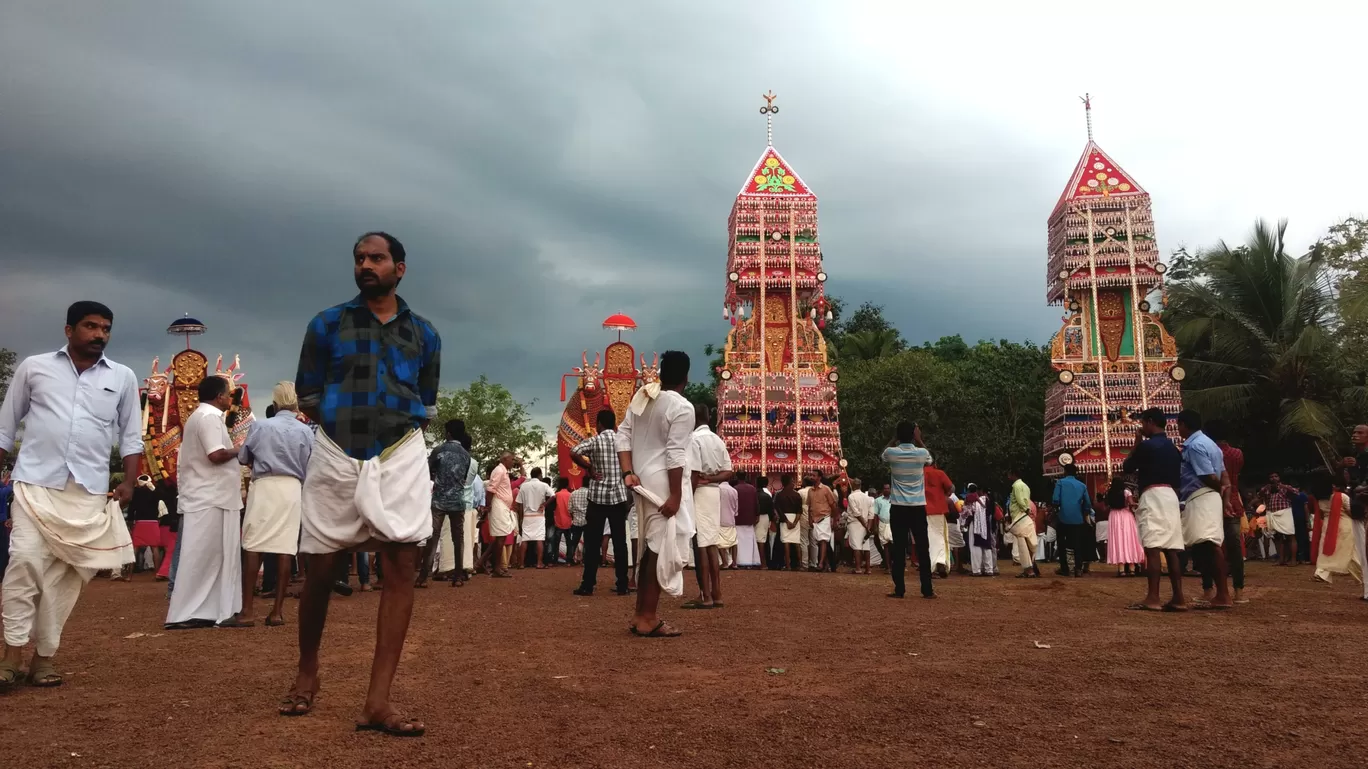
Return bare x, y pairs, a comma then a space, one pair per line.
368, 375
75, 405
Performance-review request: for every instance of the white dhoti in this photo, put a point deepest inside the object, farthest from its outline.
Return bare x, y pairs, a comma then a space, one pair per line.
534, 527
471, 531
1203, 518
938, 540
666, 539
271, 524
708, 515
726, 537
348, 502
58, 540
762, 532
446, 548
1024, 541
790, 535
857, 536
747, 552
955, 536
1280, 522
1339, 558
821, 530
502, 520
1361, 549
1158, 519
209, 575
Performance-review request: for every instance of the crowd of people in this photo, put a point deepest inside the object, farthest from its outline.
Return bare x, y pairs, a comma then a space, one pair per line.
339, 476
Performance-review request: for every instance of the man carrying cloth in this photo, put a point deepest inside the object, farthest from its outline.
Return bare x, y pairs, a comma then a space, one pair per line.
75, 405
368, 374
1203, 508
1157, 465
653, 447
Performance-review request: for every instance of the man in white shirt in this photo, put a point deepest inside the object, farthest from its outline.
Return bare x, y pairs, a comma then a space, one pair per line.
208, 579
653, 446
531, 509
76, 405
860, 524
709, 466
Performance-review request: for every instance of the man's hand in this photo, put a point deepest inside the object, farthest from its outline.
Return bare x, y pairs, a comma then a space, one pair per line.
1349, 462
791, 524
123, 493
671, 506
632, 481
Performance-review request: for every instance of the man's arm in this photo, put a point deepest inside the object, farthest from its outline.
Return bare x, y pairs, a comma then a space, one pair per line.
14, 409
430, 374
313, 368
677, 440
212, 434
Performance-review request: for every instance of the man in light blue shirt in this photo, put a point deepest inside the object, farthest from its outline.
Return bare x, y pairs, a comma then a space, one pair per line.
76, 405
1202, 477
907, 457
1072, 501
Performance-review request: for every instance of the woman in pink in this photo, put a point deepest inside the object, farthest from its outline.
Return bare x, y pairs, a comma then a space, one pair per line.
1123, 538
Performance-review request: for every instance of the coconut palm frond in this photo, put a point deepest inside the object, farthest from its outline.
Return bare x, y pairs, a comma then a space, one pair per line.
1228, 401
1304, 416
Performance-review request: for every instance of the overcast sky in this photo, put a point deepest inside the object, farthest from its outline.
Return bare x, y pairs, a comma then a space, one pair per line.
550, 163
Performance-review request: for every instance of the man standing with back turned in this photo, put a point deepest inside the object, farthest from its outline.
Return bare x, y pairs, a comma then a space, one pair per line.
906, 458
1157, 463
76, 405
368, 374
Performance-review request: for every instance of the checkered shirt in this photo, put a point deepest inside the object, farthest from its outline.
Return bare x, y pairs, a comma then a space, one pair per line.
370, 382
607, 487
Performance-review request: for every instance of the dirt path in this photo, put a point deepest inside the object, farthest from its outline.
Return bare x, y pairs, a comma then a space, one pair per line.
518, 673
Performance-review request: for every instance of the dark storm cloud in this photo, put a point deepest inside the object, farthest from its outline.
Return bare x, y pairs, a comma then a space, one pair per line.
545, 164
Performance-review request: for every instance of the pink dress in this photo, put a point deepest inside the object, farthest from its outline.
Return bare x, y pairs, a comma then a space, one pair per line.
1123, 538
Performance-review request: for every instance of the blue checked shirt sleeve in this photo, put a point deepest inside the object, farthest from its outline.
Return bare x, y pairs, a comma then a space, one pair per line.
313, 365
430, 374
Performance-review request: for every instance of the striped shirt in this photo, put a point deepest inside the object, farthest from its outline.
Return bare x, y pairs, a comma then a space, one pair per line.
906, 462
607, 487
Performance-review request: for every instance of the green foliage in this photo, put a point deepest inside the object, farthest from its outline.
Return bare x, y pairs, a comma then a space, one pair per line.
701, 392
7, 364
866, 335
1254, 327
496, 422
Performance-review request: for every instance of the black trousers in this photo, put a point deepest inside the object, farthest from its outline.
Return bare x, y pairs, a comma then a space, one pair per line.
572, 541
909, 520
1078, 538
1303, 535
616, 516
457, 542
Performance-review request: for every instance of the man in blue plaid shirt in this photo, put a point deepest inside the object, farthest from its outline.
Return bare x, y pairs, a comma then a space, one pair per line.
368, 374
607, 502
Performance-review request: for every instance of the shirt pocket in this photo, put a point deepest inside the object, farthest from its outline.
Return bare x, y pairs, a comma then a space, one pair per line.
102, 405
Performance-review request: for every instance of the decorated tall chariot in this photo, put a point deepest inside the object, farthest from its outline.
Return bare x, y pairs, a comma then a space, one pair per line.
171, 395
1113, 357
777, 409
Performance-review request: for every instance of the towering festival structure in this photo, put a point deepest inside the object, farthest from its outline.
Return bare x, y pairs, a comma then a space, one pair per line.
1113, 357
777, 399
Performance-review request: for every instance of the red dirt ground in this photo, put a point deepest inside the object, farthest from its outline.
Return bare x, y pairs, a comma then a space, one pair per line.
519, 673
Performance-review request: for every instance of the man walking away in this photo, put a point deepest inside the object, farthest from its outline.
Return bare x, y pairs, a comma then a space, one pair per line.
1074, 505
1201, 477
562, 523
906, 456
453, 474
607, 502
278, 450
1233, 513
939, 489
1355, 480
1157, 465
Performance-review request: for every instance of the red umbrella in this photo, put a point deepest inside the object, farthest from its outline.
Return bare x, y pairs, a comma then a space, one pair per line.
621, 323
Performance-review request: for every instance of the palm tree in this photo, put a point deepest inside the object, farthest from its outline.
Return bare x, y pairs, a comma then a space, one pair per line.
871, 344
1253, 329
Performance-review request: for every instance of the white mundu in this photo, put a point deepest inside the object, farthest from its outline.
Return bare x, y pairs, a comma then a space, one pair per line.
348, 503
707, 455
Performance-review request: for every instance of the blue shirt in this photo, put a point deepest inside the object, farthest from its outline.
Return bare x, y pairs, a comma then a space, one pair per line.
280, 445
477, 493
1072, 498
906, 462
1201, 457
1155, 462
6, 491
882, 508
371, 382
71, 420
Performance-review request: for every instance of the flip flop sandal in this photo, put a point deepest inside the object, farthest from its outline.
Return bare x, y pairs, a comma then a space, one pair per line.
289, 704
716, 605
695, 605
658, 631
43, 674
1168, 607
393, 725
1142, 607
1211, 607
190, 624
237, 623
10, 675
274, 622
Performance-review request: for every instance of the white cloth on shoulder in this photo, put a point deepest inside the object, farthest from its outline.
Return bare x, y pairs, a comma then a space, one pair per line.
81, 529
271, 523
349, 502
670, 546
